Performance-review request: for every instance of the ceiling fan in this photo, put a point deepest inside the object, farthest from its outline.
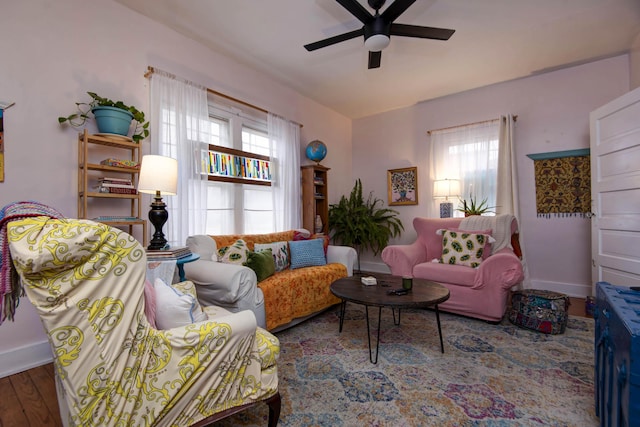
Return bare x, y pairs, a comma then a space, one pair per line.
378, 28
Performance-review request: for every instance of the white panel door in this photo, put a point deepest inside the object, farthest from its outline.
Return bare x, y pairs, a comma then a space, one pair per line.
615, 191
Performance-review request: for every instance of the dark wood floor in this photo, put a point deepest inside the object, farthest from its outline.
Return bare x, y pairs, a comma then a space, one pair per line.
29, 398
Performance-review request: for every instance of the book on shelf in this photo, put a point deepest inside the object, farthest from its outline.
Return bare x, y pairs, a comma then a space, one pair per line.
109, 185
176, 252
115, 182
121, 163
115, 218
117, 190
114, 179
116, 186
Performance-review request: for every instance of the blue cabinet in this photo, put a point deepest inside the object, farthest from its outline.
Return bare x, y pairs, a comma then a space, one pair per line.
617, 354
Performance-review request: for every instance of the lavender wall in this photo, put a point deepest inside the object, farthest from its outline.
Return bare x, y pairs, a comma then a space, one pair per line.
634, 61
53, 52
553, 115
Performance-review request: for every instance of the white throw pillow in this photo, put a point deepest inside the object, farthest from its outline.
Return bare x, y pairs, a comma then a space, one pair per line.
175, 308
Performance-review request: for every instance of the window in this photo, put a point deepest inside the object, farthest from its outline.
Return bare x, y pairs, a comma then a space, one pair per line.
469, 154
239, 208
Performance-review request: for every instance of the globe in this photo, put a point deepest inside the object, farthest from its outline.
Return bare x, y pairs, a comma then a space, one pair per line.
316, 151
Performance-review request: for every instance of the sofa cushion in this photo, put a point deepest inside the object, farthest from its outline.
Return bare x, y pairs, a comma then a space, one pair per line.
234, 254
307, 253
280, 251
463, 248
292, 294
262, 263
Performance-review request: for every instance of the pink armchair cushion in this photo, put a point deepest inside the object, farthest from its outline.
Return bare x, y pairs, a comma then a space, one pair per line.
446, 273
426, 229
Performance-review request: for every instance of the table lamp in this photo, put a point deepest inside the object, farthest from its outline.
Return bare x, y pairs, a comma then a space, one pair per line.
446, 188
158, 176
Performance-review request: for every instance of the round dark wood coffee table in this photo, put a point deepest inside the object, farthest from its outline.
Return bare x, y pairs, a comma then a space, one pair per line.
424, 294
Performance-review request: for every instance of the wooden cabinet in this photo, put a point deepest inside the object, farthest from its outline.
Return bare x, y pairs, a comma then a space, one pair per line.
617, 344
315, 197
92, 203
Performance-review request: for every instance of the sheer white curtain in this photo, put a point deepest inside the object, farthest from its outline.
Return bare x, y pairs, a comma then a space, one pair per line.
468, 153
507, 190
285, 153
508, 185
180, 129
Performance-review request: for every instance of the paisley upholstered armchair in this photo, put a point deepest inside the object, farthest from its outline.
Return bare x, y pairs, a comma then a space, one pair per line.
86, 281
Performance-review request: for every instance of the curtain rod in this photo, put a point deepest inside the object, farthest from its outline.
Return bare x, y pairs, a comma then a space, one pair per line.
515, 119
151, 70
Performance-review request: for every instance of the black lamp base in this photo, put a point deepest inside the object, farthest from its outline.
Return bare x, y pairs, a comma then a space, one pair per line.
158, 215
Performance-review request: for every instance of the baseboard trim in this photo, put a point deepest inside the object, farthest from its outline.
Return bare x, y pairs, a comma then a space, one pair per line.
374, 267
24, 358
571, 289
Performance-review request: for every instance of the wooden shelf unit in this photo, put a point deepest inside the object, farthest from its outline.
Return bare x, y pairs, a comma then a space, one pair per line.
87, 171
315, 196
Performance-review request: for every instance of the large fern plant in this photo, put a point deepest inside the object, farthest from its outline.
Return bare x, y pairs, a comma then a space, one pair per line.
363, 223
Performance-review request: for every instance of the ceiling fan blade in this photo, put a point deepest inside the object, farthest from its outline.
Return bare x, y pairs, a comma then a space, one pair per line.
396, 9
374, 59
421, 32
335, 39
357, 10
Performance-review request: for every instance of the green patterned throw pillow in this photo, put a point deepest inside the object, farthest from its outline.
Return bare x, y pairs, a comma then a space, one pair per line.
234, 254
463, 248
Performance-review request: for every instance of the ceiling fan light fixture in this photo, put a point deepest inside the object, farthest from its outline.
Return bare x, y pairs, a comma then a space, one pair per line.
377, 42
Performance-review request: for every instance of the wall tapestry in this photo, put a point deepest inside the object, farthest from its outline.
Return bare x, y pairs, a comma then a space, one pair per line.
402, 186
563, 183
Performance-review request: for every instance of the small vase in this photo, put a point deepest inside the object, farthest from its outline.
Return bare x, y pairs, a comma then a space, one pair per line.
318, 224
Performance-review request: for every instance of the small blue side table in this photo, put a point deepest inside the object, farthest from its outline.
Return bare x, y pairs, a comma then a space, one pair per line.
182, 261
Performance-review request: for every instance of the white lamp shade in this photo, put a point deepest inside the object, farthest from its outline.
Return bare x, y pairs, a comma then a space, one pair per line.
377, 42
446, 188
158, 173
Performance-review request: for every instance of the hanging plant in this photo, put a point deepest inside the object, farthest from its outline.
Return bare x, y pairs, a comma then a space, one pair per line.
86, 110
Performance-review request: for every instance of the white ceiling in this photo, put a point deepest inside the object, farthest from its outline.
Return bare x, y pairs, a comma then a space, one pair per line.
495, 40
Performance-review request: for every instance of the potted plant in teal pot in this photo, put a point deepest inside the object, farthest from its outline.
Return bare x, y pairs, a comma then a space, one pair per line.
112, 117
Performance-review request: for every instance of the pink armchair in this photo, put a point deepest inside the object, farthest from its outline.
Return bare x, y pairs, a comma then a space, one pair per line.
480, 292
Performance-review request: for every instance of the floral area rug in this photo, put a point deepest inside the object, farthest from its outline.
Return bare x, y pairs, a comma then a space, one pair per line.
489, 375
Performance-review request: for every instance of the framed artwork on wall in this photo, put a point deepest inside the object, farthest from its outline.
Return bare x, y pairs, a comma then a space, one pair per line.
402, 186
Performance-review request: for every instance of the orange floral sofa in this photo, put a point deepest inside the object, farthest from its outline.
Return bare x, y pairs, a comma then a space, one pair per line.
279, 301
